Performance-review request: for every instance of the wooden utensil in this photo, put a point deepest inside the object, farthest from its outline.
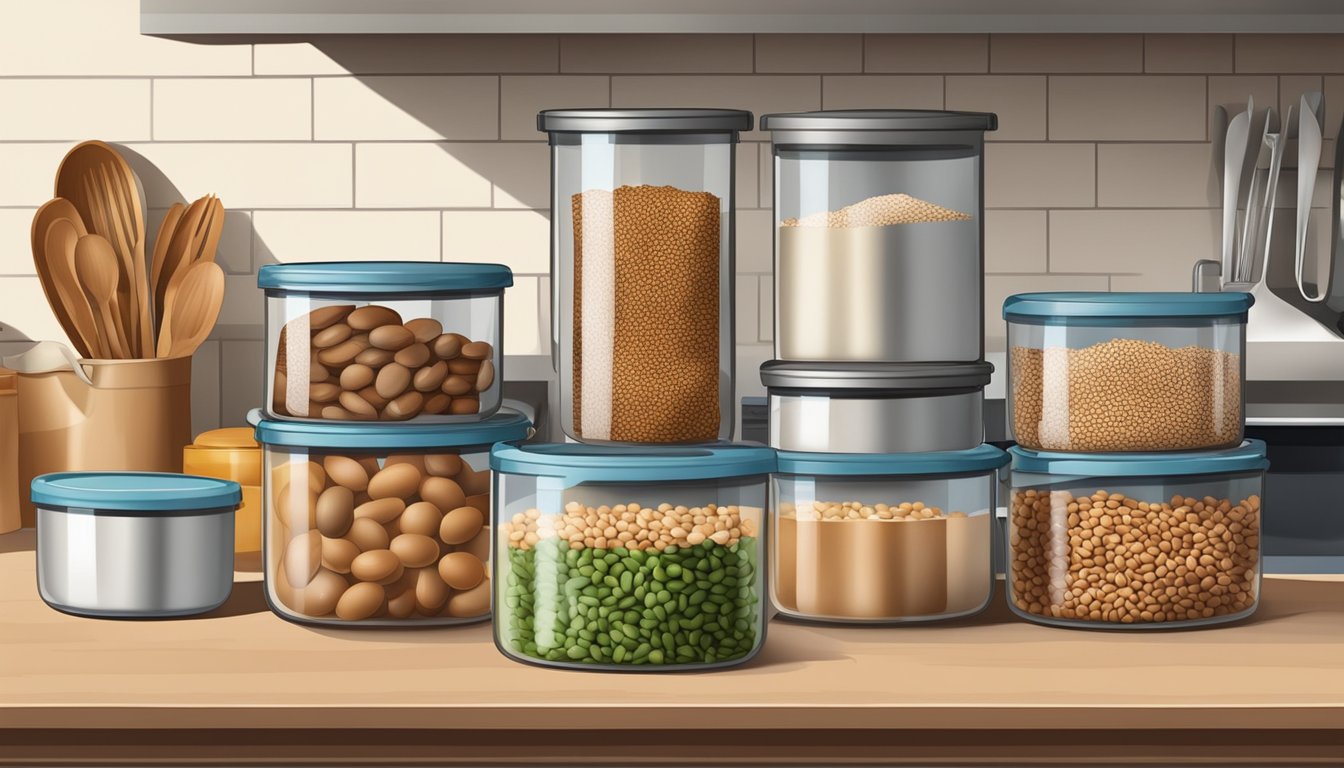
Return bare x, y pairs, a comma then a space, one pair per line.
192, 310
96, 266
102, 187
159, 261
51, 211
177, 259
71, 305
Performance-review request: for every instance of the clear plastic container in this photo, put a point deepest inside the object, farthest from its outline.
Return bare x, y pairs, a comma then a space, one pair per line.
384, 341
1111, 372
1135, 540
876, 538
876, 407
642, 271
611, 557
380, 524
878, 235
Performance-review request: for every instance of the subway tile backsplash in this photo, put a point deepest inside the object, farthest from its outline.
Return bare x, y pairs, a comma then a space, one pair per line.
425, 147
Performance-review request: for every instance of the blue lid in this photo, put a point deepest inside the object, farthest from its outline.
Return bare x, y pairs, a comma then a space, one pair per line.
983, 458
507, 424
382, 277
1247, 457
1150, 305
580, 463
135, 492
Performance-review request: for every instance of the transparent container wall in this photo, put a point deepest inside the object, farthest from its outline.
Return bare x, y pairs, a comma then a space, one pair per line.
355, 537
878, 254
643, 278
882, 549
610, 575
1140, 552
1137, 386
435, 358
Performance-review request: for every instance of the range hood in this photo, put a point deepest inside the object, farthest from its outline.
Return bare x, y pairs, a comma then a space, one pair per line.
321, 17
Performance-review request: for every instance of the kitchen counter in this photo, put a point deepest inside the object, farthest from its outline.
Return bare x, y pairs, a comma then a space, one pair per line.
242, 685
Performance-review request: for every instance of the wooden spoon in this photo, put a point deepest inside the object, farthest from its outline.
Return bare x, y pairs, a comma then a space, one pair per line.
192, 311
52, 211
178, 255
96, 266
159, 261
72, 305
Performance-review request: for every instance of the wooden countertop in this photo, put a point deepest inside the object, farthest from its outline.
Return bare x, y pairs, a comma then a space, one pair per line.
244, 684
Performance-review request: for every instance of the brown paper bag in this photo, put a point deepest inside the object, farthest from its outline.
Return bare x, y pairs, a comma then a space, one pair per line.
128, 415
10, 518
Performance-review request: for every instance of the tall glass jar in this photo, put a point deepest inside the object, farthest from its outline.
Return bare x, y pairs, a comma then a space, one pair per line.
879, 235
642, 271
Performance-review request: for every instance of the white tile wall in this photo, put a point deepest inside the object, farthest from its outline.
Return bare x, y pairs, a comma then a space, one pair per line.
425, 147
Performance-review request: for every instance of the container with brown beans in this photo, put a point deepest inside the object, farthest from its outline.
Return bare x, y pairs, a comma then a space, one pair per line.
1108, 372
384, 341
380, 524
1135, 540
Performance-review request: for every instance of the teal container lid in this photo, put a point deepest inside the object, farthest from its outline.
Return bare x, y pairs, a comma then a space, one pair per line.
145, 492
1153, 305
581, 463
383, 277
506, 424
983, 458
1247, 457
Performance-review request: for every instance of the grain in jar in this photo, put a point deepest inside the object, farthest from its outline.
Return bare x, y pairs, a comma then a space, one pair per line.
642, 263
1136, 540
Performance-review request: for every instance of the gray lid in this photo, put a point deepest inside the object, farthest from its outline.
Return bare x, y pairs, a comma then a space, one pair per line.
880, 120
620, 120
787, 374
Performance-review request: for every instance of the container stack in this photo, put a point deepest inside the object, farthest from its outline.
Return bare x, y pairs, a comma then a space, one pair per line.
1136, 501
640, 544
384, 385
885, 493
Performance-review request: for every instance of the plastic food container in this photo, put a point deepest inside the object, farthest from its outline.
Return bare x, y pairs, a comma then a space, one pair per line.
642, 271
884, 538
876, 407
1135, 539
879, 235
1105, 372
380, 524
232, 454
630, 558
384, 341
134, 544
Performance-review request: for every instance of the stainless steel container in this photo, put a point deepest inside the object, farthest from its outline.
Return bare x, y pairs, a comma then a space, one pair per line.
879, 229
134, 544
876, 407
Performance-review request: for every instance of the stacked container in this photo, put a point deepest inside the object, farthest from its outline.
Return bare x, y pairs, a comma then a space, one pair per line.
383, 390
884, 499
1136, 501
638, 546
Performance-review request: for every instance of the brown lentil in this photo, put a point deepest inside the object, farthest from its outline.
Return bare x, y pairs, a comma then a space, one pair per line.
649, 371
1109, 558
372, 541
1125, 395
361, 362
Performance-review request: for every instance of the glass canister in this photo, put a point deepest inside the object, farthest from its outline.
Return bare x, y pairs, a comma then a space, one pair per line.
642, 241
384, 341
884, 538
380, 524
1112, 372
614, 557
1135, 540
879, 233
232, 453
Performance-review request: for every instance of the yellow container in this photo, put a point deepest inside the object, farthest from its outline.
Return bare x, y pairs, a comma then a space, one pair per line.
232, 454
